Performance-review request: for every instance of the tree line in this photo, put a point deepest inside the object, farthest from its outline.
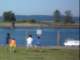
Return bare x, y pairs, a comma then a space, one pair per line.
9, 16
67, 18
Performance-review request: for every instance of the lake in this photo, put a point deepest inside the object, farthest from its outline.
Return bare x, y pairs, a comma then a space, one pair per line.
48, 37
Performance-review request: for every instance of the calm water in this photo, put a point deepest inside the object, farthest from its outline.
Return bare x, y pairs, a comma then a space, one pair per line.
49, 35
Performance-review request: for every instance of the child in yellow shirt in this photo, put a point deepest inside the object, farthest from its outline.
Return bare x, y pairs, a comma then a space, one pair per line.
12, 44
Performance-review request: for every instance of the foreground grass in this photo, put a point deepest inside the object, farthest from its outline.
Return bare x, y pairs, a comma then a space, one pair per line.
39, 54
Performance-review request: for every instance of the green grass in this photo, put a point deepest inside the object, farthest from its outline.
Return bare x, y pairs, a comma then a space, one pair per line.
39, 54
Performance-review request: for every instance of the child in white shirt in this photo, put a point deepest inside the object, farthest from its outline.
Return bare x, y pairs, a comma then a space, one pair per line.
29, 41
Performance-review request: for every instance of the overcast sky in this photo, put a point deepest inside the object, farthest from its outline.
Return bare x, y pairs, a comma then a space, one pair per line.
39, 7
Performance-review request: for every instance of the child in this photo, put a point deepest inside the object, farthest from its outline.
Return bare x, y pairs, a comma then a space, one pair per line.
29, 41
7, 38
12, 44
39, 33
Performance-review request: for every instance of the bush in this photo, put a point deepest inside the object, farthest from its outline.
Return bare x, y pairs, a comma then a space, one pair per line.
26, 21
32, 21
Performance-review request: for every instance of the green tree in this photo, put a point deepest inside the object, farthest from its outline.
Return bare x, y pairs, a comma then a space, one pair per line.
57, 16
68, 17
9, 16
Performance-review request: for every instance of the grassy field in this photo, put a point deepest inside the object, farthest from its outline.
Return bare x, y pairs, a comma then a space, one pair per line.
39, 54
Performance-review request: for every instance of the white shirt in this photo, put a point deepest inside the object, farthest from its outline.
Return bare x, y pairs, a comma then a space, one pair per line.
29, 40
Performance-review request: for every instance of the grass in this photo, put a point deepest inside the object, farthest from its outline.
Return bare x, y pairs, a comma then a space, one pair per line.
39, 54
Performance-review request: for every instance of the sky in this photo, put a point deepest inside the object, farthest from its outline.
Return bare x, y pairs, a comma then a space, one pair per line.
39, 7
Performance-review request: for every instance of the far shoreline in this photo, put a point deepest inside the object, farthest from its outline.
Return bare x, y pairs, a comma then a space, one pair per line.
41, 25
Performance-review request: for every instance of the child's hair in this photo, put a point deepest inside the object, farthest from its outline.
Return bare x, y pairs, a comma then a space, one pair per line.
30, 35
38, 37
12, 38
8, 33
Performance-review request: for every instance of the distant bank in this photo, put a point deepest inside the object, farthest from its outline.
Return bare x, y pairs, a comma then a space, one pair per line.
37, 25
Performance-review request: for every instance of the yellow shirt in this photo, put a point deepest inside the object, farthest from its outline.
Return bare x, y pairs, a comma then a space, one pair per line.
12, 43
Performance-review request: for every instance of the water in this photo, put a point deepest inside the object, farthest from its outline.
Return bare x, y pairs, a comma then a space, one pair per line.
48, 38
